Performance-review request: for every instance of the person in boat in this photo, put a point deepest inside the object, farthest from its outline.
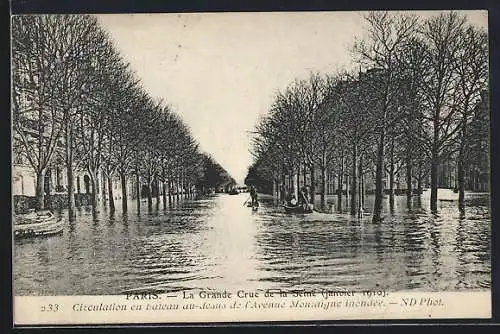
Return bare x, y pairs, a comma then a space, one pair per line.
303, 197
290, 199
253, 195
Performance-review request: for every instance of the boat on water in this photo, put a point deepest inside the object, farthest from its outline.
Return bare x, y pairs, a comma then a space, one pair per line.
36, 224
297, 209
254, 206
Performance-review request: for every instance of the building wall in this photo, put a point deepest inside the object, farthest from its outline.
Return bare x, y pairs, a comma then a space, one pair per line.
24, 182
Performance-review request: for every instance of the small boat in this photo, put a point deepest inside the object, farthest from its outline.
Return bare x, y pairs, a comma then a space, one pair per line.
297, 209
253, 206
37, 223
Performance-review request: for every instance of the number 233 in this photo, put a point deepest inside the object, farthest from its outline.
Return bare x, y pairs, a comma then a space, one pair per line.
50, 308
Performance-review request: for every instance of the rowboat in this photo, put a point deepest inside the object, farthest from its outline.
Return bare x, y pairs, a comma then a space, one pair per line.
37, 223
253, 206
297, 209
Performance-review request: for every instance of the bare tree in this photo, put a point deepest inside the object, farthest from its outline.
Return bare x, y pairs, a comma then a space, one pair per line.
326, 137
442, 37
36, 121
94, 117
412, 140
387, 36
471, 66
75, 39
356, 126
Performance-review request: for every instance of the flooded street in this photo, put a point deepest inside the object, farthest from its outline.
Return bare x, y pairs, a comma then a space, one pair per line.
218, 243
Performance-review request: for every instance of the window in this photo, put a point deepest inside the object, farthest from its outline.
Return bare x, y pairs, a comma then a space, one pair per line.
18, 159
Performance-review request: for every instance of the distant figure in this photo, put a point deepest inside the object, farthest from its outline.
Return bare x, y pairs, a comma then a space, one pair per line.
303, 197
290, 199
253, 194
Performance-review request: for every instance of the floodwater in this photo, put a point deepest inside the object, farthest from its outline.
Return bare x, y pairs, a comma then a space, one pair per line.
218, 243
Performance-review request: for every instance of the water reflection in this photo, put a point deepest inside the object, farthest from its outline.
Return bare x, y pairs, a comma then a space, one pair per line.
217, 243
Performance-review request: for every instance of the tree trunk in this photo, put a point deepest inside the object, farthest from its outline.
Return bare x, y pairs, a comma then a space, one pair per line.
296, 186
354, 181
347, 190
40, 189
124, 190
461, 172
274, 188
461, 187
278, 188
93, 182
138, 190
164, 194
434, 186
363, 190
157, 185
183, 188
283, 186
323, 187
96, 180
169, 181
312, 195
150, 197
103, 188
298, 175
409, 186
333, 182
391, 176
379, 185
360, 187
304, 174
69, 170
340, 192
178, 186
110, 193
435, 161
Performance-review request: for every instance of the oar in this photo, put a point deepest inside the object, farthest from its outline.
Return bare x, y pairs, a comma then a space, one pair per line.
246, 201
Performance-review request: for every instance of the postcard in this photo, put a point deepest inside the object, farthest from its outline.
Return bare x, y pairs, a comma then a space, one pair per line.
265, 166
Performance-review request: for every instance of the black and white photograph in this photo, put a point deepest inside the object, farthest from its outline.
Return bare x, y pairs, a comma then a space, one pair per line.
222, 158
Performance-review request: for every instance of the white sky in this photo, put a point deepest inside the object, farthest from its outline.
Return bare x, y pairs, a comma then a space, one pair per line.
220, 71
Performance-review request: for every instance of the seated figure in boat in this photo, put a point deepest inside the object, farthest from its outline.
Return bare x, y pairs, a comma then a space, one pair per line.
290, 199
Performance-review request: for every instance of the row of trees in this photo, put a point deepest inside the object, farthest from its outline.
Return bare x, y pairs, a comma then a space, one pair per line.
77, 103
419, 99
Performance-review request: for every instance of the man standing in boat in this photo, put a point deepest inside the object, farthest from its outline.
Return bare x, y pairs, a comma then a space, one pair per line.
304, 198
253, 194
